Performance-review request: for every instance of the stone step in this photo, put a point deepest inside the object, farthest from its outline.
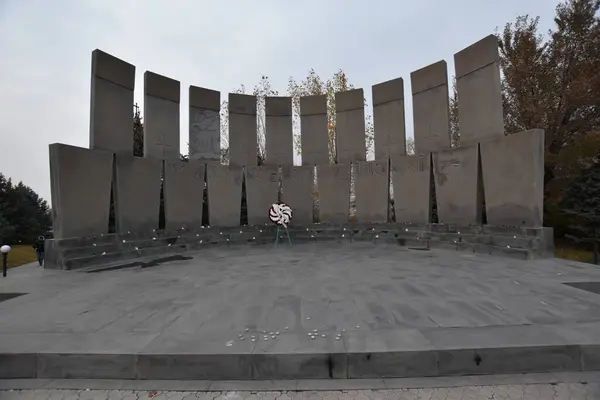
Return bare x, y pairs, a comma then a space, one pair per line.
97, 260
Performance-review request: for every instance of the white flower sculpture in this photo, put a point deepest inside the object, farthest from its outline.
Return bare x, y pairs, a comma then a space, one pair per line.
280, 214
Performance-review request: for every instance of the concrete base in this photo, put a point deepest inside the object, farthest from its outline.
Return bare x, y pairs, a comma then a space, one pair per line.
515, 242
400, 313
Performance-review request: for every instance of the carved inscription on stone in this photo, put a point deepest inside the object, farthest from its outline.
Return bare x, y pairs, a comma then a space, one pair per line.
205, 133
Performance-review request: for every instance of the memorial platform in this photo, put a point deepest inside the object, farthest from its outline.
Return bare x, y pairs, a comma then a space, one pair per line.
397, 313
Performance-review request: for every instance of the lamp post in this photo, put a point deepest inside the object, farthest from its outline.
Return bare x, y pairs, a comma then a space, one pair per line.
4, 250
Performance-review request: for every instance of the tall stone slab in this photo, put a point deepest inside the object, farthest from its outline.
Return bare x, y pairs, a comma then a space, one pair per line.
350, 126
111, 104
297, 185
456, 174
372, 188
480, 114
411, 176
243, 145
513, 179
161, 117
80, 181
205, 125
314, 136
224, 194
279, 135
431, 108
388, 119
262, 188
334, 193
183, 193
136, 193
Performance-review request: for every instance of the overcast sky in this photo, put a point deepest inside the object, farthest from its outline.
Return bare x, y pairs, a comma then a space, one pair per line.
45, 53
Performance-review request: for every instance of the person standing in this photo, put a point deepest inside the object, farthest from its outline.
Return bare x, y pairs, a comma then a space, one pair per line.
39, 249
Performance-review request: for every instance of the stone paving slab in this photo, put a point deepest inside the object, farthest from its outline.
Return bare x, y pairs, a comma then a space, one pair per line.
375, 311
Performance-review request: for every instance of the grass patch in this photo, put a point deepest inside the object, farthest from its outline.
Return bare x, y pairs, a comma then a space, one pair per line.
574, 254
21, 254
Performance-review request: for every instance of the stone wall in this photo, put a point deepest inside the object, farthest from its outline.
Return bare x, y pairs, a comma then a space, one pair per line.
505, 171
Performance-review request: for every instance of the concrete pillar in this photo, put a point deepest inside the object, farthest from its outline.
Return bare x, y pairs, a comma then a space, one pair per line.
388, 119
314, 132
412, 188
297, 185
479, 89
262, 188
334, 193
372, 188
457, 190
243, 145
111, 105
184, 194
136, 192
431, 108
279, 136
224, 194
205, 125
350, 126
80, 181
513, 179
161, 117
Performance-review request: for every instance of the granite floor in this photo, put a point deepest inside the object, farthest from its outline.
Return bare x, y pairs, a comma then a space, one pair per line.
355, 297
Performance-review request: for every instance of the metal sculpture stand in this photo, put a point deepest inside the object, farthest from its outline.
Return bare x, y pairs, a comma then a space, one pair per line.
279, 229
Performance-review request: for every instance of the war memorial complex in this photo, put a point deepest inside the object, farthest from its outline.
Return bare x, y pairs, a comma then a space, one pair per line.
365, 297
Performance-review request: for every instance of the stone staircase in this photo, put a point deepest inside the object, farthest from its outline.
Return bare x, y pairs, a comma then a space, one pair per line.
515, 242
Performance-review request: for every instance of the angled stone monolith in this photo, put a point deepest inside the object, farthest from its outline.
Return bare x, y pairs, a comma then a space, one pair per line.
279, 135
224, 194
480, 113
513, 179
243, 145
111, 104
136, 192
161, 117
388, 119
431, 108
262, 187
350, 126
80, 181
372, 188
297, 186
183, 194
314, 134
334, 193
205, 125
411, 176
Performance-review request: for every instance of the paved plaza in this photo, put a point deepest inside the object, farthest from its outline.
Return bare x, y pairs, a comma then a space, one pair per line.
334, 310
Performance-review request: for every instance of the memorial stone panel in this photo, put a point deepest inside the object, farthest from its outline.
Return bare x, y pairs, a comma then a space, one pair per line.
183, 193
513, 179
224, 194
205, 125
388, 119
411, 176
297, 185
111, 104
350, 126
457, 185
80, 181
314, 136
262, 188
334, 193
243, 145
136, 193
161, 117
372, 191
431, 108
478, 84
279, 135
